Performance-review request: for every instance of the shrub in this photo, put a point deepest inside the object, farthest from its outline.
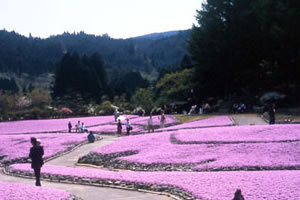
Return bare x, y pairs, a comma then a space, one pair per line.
139, 111
106, 108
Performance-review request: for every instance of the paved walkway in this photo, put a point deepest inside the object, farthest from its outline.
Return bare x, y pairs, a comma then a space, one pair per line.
71, 158
83, 191
248, 119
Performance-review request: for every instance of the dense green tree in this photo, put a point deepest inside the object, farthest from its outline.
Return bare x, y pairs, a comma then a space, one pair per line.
126, 82
174, 86
8, 85
83, 75
246, 47
143, 97
226, 45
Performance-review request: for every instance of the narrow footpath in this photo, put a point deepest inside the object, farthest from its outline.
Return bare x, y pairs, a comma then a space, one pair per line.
248, 119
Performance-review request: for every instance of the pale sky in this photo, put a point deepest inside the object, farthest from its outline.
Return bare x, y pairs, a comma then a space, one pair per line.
117, 18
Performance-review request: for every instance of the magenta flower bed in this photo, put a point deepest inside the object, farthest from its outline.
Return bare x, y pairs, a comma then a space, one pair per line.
52, 125
214, 121
156, 120
268, 156
157, 148
263, 133
255, 185
154, 148
113, 128
17, 191
18, 146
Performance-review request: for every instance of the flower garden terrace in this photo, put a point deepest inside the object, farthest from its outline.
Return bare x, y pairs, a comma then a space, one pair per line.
53, 125
205, 149
273, 185
195, 162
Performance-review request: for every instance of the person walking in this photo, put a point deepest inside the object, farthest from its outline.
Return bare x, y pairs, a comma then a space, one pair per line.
162, 120
271, 113
36, 155
119, 128
70, 126
77, 127
116, 115
150, 124
128, 126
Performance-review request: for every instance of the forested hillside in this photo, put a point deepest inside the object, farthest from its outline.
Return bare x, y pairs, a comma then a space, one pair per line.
19, 54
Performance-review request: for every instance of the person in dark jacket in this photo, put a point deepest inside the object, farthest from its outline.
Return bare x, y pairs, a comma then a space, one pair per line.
119, 129
91, 137
271, 113
36, 155
238, 195
70, 126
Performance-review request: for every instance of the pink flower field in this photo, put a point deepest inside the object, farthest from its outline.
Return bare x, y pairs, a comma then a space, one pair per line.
156, 120
16, 191
255, 185
263, 133
17, 146
210, 122
157, 148
112, 128
52, 125
208, 158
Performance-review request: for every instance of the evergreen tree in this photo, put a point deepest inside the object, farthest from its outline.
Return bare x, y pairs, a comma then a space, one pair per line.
80, 75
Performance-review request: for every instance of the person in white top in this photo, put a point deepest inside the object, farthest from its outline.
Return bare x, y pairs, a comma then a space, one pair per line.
150, 124
128, 126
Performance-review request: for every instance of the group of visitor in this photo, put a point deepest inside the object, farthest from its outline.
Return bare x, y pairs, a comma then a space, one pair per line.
150, 125
128, 127
79, 128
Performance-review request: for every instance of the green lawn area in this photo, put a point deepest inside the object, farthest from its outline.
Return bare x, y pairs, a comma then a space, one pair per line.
190, 118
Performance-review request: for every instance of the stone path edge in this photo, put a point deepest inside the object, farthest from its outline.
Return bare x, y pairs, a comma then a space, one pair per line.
173, 192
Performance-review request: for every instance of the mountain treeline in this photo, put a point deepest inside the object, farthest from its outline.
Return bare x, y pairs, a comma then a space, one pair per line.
19, 54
